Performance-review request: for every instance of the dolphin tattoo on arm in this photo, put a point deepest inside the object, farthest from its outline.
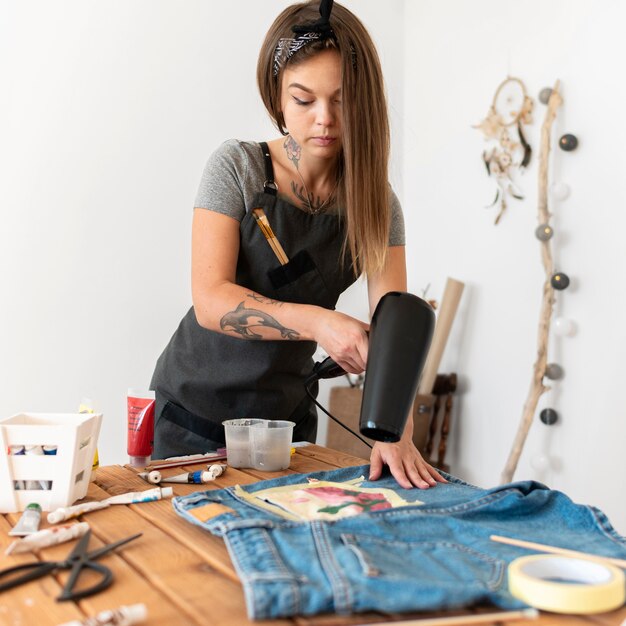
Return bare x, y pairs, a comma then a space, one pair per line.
243, 320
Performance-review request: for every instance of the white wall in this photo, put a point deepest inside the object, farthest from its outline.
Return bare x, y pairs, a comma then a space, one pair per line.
456, 54
109, 110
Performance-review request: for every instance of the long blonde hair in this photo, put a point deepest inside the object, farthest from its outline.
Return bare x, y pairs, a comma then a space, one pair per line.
365, 124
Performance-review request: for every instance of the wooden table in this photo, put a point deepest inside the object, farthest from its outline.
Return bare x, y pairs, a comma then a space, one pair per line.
181, 572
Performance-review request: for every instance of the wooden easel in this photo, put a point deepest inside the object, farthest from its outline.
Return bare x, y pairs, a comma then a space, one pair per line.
443, 390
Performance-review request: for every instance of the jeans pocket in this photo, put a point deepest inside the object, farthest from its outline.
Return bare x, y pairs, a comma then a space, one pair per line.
437, 564
257, 554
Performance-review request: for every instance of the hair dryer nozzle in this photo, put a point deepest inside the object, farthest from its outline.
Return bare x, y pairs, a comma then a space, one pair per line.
401, 332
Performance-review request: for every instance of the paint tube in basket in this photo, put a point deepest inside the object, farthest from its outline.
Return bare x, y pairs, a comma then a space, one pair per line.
19, 451
36, 484
49, 451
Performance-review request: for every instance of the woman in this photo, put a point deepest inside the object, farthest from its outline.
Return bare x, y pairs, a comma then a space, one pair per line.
260, 306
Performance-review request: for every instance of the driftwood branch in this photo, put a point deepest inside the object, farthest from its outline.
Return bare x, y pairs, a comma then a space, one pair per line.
537, 388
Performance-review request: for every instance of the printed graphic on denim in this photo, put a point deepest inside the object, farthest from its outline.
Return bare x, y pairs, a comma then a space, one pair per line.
324, 500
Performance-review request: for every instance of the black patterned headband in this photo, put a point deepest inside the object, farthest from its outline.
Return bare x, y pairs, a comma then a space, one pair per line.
304, 34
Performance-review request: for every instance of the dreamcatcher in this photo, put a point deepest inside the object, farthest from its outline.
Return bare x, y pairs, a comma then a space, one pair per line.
511, 107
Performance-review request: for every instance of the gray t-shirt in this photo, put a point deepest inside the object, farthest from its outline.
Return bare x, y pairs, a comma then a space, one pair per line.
235, 173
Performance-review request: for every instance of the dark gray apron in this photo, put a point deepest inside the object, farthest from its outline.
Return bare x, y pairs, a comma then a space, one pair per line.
204, 377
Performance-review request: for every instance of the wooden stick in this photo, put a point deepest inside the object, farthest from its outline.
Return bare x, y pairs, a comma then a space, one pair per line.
461, 620
537, 388
554, 550
449, 304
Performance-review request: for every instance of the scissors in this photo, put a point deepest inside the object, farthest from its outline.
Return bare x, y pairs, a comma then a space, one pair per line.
78, 560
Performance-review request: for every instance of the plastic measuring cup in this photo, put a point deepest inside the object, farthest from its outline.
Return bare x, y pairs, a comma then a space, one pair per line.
237, 433
270, 445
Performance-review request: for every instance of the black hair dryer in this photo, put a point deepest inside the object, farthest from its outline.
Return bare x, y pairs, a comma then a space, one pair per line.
401, 332
400, 335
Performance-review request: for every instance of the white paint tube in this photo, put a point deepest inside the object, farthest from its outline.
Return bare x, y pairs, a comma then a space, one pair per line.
153, 477
122, 616
212, 472
35, 484
134, 497
48, 537
217, 470
195, 478
68, 512
28, 522
18, 451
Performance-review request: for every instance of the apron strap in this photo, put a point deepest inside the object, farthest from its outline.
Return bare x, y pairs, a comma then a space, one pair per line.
269, 186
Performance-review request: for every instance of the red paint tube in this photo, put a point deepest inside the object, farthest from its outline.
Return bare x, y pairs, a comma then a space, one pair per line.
140, 426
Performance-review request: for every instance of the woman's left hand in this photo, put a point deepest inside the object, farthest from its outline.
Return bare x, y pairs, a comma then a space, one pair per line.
405, 462
403, 458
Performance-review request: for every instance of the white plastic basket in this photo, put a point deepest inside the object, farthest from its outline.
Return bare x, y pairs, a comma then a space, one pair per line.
67, 472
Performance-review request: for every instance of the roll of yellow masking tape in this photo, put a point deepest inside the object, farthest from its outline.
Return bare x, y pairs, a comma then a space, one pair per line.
567, 585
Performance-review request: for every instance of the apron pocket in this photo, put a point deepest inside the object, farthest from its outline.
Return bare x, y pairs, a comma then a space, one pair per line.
300, 282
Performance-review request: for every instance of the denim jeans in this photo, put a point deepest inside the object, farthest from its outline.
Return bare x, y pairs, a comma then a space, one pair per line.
428, 556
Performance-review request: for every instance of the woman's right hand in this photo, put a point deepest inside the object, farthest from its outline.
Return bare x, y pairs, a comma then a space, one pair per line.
344, 339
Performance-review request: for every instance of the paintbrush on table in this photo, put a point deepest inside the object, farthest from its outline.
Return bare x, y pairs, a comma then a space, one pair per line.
542, 547
463, 620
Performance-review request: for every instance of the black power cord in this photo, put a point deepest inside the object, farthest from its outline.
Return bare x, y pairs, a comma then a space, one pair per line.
307, 384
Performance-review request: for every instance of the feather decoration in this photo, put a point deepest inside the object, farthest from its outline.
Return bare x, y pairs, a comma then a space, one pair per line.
502, 210
494, 200
487, 165
527, 149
